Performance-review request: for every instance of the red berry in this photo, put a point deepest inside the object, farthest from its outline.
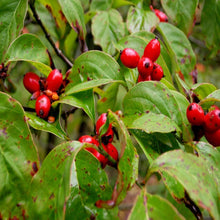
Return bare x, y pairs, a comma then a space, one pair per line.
195, 114
145, 67
111, 150
108, 136
130, 57
152, 50
212, 120
102, 159
31, 82
141, 79
213, 137
88, 139
54, 80
157, 73
162, 16
42, 106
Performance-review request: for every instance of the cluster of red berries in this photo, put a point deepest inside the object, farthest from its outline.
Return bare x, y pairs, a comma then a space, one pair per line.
210, 121
44, 90
147, 68
106, 142
162, 16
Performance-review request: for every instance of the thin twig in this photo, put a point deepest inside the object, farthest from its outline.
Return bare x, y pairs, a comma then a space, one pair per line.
57, 50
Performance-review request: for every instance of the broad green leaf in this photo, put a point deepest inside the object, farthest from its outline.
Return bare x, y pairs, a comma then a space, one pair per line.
93, 185
108, 99
150, 123
50, 187
109, 33
202, 90
210, 99
12, 15
74, 14
101, 5
119, 3
141, 20
180, 50
40, 124
182, 13
54, 8
88, 85
157, 98
160, 208
19, 160
29, 48
84, 100
94, 65
191, 172
210, 23
139, 210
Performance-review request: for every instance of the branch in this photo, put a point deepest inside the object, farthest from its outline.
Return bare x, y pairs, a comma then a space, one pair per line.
57, 50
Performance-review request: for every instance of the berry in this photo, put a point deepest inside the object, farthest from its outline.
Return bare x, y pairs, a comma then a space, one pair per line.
157, 73
102, 159
111, 150
141, 79
130, 57
88, 139
145, 67
42, 106
35, 95
108, 136
213, 137
152, 50
195, 114
162, 16
31, 82
54, 80
212, 120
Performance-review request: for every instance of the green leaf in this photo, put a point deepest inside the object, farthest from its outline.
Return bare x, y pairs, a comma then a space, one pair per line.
191, 172
139, 210
182, 13
202, 90
55, 10
18, 158
150, 123
119, 3
40, 124
50, 187
29, 48
141, 20
180, 50
157, 98
12, 15
210, 23
210, 99
101, 5
74, 14
160, 208
94, 65
109, 33
84, 100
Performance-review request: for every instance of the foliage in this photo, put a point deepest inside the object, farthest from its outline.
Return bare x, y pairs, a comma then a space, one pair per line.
45, 172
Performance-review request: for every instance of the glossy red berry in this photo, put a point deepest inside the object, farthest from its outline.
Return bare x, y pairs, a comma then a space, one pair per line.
130, 57
161, 15
152, 50
88, 139
157, 73
212, 120
102, 159
54, 80
111, 150
31, 82
195, 114
108, 136
213, 137
145, 67
42, 106
141, 79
